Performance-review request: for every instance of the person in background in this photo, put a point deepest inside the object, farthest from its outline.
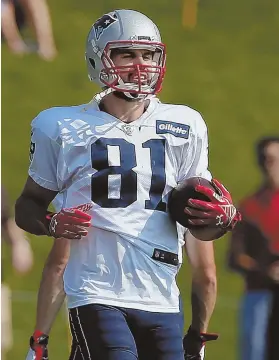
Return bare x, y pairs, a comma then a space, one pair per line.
254, 253
14, 15
13, 20
22, 261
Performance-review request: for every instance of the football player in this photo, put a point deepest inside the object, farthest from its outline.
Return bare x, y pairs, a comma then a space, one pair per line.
114, 161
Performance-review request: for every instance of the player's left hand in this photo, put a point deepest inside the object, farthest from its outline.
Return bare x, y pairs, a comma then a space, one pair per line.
38, 346
194, 344
219, 211
31, 355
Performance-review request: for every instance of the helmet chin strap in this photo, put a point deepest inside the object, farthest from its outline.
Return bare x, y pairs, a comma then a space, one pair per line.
99, 96
131, 95
123, 88
125, 95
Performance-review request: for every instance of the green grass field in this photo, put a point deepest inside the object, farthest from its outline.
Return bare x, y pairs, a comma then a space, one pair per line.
227, 68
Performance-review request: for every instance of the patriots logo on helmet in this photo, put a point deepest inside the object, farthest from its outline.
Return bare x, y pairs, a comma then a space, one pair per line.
103, 23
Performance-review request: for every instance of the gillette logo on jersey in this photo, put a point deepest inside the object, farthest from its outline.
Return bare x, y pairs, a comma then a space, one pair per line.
168, 127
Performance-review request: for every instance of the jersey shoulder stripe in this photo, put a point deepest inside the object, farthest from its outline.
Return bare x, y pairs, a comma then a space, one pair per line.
49, 121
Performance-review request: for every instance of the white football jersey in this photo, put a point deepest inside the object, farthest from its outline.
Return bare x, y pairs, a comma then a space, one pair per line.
126, 171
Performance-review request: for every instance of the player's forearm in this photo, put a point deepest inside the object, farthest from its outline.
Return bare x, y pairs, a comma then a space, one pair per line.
50, 297
204, 292
30, 215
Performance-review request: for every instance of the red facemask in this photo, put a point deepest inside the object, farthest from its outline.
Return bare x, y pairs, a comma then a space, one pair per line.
147, 79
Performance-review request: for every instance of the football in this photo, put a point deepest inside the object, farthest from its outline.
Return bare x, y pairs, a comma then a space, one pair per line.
178, 201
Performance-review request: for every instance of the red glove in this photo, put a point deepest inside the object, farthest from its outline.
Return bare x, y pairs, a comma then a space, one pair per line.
218, 211
194, 343
70, 223
38, 343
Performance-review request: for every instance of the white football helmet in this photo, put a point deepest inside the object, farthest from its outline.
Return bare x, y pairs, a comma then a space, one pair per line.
125, 29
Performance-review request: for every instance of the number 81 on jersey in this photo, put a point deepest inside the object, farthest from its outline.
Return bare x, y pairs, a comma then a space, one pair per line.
104, 194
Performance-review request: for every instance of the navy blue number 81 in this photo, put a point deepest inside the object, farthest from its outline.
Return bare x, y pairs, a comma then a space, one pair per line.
128, 187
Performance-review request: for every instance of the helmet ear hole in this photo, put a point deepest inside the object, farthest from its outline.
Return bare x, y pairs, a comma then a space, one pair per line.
92, 62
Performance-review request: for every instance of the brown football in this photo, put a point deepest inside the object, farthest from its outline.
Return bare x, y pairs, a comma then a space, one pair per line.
177, 201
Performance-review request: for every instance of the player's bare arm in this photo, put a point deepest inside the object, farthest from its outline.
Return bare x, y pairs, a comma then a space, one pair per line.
204, 283
51, 293
31, 208
32, 214
51, 296
204, 291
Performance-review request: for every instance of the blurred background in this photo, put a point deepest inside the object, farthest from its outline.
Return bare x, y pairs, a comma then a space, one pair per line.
222, 59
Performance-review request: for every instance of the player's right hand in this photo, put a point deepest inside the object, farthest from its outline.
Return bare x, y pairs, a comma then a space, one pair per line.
194, 344
38, 346
70, 223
